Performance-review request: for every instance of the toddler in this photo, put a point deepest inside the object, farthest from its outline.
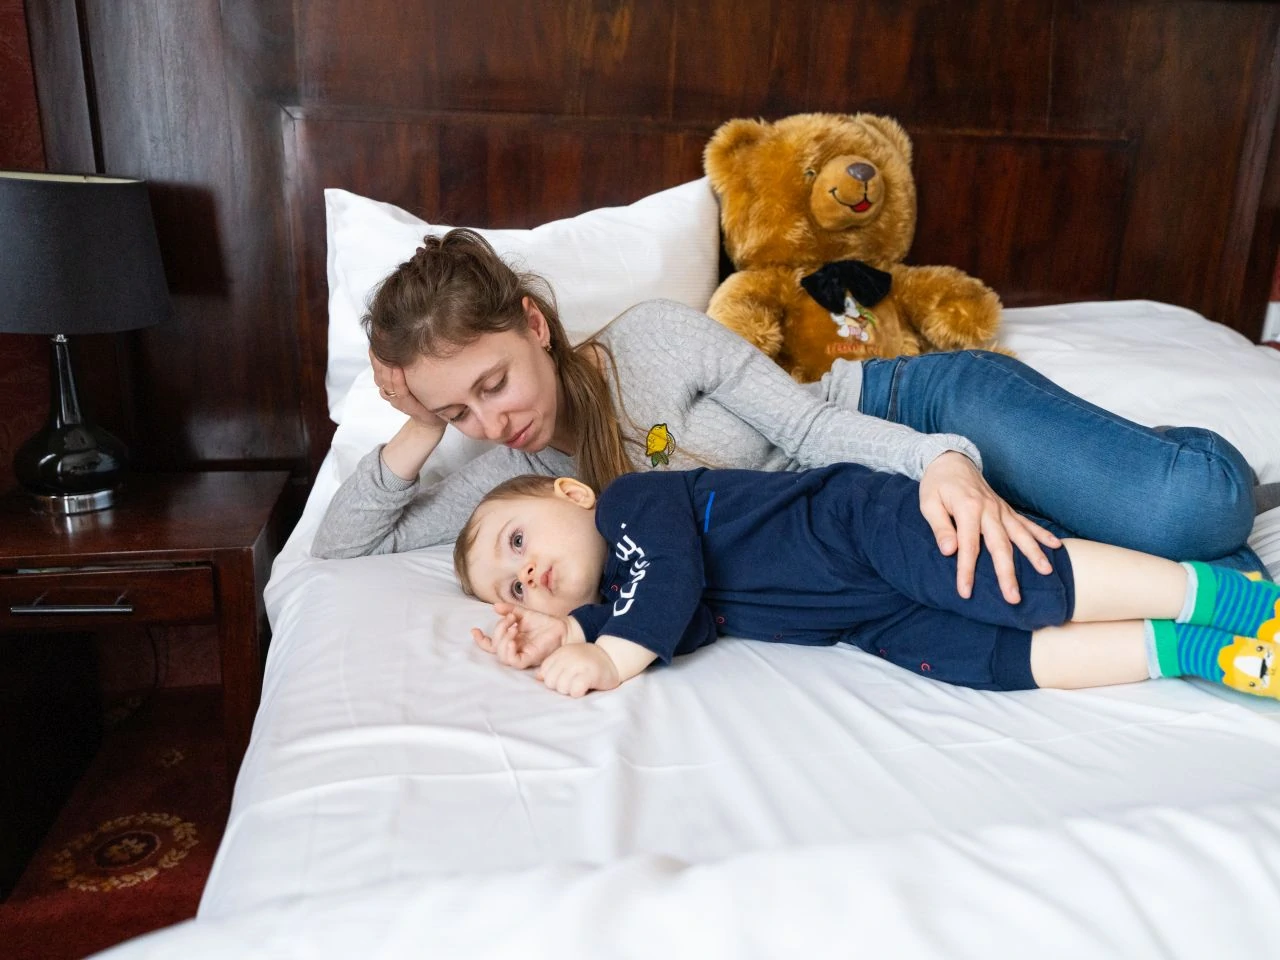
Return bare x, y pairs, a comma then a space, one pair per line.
593, 590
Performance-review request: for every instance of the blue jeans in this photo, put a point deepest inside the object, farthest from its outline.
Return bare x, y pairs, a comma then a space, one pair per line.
1181, 492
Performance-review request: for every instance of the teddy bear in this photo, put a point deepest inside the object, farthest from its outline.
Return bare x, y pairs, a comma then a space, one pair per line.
817, 212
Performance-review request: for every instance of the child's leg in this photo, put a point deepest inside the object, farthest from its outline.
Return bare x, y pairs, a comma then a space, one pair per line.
1112, 583
948, 647
1089, 582
1078, 655
1199, 621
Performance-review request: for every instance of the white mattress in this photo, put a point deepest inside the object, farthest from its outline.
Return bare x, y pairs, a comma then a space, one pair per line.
403, 795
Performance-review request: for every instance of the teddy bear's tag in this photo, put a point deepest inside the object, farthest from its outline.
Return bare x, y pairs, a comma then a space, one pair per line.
853, 323
848, 288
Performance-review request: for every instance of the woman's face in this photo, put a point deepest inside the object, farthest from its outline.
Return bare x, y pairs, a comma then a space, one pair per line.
502, 387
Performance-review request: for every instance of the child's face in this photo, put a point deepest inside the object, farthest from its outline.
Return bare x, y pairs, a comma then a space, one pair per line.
543, 553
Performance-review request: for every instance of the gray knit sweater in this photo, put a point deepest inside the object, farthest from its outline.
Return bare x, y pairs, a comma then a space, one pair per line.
724, 404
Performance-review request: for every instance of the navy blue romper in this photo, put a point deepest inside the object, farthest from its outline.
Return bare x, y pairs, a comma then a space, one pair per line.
816, 557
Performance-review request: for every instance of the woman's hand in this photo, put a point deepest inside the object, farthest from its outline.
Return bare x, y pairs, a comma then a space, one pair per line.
406, 452
524, 638
964, 511
578, 668
395, 390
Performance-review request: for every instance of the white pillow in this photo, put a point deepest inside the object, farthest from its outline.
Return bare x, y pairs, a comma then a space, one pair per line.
599, 263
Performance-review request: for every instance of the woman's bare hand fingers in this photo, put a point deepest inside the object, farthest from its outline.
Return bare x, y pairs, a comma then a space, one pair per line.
1023, 533
968, 521
1040, 534
939, 520
1000, 547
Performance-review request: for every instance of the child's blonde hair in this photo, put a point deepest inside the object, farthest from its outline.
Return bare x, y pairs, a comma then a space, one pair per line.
525, 486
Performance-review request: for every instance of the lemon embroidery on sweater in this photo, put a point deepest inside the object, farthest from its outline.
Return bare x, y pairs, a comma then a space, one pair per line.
659, 445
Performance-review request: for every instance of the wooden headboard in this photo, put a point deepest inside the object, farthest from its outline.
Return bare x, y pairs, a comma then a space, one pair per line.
1064, 150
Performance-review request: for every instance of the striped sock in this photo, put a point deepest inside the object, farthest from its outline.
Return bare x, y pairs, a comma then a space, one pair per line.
1244, 663
1229, 600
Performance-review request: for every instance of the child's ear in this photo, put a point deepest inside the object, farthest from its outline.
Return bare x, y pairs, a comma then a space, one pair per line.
575, 491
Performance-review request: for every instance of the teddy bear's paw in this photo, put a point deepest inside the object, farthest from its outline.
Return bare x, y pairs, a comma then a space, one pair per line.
959, 321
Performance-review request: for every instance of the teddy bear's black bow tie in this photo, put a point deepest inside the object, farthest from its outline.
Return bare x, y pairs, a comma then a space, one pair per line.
828, 285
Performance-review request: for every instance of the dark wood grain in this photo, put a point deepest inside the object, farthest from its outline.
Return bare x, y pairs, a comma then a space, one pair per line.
241, 649
150, 595
176, 106
1068, 149
979, 65
56, 44
158, 517
1190, 83
1033, 216
181, 547
24, 368
1261, 280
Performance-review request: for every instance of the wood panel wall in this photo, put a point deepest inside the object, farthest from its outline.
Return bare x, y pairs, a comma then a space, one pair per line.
1067, 149
24, 367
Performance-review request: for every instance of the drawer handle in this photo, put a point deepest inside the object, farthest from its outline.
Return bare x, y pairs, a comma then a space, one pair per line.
58, 609
64, 609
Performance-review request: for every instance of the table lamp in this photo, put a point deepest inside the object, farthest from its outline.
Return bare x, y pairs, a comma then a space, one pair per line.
78, 254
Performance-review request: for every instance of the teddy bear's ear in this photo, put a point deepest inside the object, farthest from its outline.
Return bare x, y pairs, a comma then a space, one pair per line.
732, 136
891, 130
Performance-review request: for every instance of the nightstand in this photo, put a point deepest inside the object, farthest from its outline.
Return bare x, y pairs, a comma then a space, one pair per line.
177, 548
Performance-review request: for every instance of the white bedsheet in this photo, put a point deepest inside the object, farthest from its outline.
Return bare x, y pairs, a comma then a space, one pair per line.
403, 795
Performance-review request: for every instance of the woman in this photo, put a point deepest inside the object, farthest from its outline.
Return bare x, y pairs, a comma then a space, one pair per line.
457, 337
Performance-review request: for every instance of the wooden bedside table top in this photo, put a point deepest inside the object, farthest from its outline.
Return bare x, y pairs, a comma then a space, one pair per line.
160, 516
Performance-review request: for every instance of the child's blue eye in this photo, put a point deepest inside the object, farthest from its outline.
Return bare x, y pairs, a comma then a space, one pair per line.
517, 589
517, 540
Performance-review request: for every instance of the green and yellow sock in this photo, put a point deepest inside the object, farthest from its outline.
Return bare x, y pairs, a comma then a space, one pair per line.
1243, 663
1228, 600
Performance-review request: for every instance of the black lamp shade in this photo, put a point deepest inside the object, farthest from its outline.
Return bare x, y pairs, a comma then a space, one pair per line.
78, 254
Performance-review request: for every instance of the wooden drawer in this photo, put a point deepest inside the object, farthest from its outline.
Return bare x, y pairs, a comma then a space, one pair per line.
104, 597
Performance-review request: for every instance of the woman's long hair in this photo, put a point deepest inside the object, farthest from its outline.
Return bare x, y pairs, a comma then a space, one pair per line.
453, 291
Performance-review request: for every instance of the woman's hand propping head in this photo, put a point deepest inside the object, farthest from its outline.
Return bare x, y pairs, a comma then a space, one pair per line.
394, 389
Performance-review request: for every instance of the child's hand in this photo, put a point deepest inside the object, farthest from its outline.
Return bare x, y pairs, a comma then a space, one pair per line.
576, 668
522, 637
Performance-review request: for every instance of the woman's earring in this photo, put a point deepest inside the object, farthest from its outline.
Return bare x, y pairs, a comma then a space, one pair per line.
547, 347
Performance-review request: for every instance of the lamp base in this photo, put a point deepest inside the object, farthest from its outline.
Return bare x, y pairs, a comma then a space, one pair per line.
70, 466
65, 504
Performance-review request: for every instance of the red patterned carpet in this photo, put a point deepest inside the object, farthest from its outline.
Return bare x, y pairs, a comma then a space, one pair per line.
131, 849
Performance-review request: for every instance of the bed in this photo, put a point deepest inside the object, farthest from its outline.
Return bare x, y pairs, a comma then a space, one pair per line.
403, 796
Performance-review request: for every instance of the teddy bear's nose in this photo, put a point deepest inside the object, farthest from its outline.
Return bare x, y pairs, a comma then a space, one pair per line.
862, 172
